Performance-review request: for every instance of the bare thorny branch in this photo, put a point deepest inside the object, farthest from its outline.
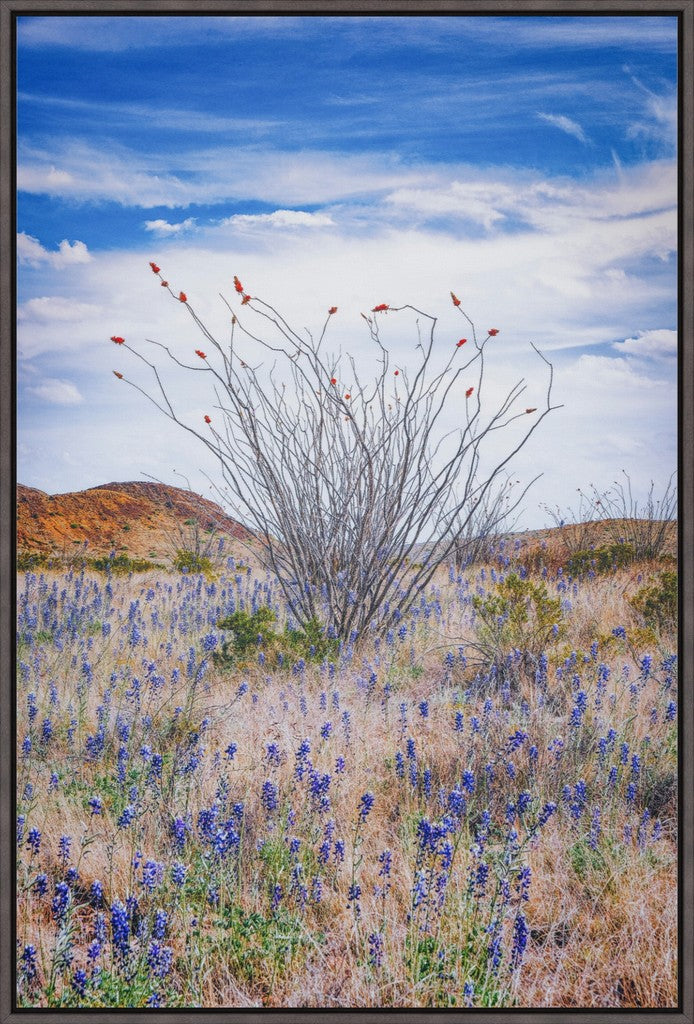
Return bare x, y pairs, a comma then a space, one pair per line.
354, 490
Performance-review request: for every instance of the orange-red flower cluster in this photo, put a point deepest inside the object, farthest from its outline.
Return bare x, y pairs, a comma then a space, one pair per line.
333, 380
117, 340
118, 375
347, 397
397, 373
493, 331
199, 353
469, 392
333, 309
207, 419
182, 297
237, 285
165, 284
456, 300
245, 299
461, 342
155, 268
380, 309
531, 410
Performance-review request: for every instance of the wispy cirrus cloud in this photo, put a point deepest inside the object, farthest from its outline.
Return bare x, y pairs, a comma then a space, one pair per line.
567, 125
56, 391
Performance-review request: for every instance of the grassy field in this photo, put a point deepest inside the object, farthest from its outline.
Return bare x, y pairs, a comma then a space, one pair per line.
478, 809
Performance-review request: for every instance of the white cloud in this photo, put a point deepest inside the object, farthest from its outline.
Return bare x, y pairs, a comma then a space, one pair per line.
51, 308
56, 391
280, 219
163, 229
567, 125
649, 344
31, 252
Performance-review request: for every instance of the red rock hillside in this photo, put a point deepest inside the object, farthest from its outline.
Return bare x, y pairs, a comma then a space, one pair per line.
140, 519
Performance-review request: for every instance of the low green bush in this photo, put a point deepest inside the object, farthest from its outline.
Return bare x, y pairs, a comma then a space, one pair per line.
252, 632
601, 560
657, 603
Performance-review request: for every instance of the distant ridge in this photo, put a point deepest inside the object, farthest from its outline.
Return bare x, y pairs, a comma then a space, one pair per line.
140, 518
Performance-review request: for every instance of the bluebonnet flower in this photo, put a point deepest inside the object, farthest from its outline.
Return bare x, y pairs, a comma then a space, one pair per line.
64, 848
95, 805
41, 884
269, 796
339, 850
631, 793
79, 982
178, 832
34, 840
326, 730
28, 962
546, 813
53, 782
424, 708
178, 873
272, 754
60, 902
96, 893
520, 940
339, 765
94, 950
375, 949
231, 751
365, 805
159, 959
127, 817
151, 874
671, 711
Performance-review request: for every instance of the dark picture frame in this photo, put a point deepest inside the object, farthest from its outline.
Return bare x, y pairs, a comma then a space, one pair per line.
10, 10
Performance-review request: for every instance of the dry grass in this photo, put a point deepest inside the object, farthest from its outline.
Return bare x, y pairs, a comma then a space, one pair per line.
601, 915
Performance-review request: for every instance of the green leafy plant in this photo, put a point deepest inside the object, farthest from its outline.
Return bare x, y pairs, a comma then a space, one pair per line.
517, 615
252, 632
657, 603
602, 560
189, 561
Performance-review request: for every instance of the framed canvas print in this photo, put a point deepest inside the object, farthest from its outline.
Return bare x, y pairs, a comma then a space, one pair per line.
346, 510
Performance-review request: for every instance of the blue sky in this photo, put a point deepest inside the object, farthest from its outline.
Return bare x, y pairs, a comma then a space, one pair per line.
526, 163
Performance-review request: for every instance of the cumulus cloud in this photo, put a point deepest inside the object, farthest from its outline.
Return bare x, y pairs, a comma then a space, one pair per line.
280, 219
31, 252
567, 125
163, 229
56, 391
649, 344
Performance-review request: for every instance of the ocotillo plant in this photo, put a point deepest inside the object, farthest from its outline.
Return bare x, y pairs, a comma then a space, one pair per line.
353, 486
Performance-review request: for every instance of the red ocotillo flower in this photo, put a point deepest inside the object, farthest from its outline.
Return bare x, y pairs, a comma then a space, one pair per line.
347, 397
461, 342
117, 340
155, 268
237, 285
333, 309
456, 300
165, 284
207, 419
245, 299
380, 309
396, 373
531, 410
469, 392
199, 353
118, 375
493, 331
182, 297
333, 381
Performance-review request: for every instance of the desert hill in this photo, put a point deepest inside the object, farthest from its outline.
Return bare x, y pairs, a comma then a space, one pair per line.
138, 518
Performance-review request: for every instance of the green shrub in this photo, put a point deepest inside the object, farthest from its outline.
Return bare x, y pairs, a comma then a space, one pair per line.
518, 615
28, 560
601, 560
121, 564
252, 632
657, 603
188, 561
